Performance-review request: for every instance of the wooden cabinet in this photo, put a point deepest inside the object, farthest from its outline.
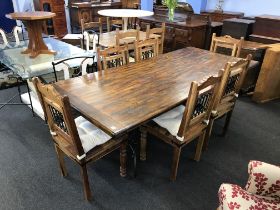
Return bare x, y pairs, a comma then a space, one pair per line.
220, 16
56, 26
237, 27
268, 84
178, 34
266, 29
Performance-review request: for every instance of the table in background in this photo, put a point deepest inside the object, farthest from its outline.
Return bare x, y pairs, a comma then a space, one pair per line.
34, 22
125, 14
121, 99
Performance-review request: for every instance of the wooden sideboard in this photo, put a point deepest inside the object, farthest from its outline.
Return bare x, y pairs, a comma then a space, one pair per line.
266, 29
88, 11
268, 84
220, 16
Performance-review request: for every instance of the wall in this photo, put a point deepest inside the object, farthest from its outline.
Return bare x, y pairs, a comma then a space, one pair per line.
147, 5
249, 7
5, 23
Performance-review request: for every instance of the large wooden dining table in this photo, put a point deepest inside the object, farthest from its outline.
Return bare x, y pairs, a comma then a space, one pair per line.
121, 99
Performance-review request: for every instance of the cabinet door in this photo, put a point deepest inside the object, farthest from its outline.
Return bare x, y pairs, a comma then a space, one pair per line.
182, 38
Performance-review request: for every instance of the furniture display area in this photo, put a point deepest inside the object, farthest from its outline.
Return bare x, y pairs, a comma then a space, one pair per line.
88, 11
268, 84
266, 29
260, 192
125, 14
218, 16
34, 22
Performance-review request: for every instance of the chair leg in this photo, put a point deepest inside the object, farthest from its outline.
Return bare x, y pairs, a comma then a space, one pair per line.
143, 154
199, 147
123, 158
84, 175
175, 163
60, 157
228, 117
208, 134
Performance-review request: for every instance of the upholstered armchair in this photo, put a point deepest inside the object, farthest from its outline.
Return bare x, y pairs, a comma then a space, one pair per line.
261, 192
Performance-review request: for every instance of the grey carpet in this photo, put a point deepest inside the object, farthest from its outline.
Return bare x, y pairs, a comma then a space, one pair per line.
30, 179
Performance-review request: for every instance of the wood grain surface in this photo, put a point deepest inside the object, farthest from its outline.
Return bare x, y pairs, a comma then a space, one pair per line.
124, 98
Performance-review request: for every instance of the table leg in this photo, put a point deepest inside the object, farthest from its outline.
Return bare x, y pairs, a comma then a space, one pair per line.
36, 44
125, 22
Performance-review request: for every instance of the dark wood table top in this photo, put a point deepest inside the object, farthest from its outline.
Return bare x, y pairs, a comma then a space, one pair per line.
124, 98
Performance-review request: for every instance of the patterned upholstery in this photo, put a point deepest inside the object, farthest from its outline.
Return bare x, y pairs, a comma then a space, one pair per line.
261, 192
171, 120
90, 135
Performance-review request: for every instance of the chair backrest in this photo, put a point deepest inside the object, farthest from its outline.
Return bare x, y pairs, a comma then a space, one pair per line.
57, 110
92, 25
125, 37
227, 42
199, 106
157, 31
112, 57
146, 49
114, 22
90, 40
231, 83
16, 31
66, 65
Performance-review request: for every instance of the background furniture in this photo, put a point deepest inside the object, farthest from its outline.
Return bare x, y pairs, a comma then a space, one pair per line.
144, 93
34, 22
261, 192
268, 83
237, 27
88, 11
266, 29
220, 16
57, 25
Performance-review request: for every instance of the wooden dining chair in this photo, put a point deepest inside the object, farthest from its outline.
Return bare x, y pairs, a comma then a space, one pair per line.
231, 82
226, 42
6, 38
94, 26
76, 138
127, 37
112, 57
113, 24
157, 31
146, 49
183, 124
90, 41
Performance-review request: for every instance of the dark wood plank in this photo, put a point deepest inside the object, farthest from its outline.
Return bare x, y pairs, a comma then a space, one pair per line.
121, 99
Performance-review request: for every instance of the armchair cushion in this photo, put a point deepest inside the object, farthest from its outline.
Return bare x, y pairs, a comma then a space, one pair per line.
264, 179
233, 197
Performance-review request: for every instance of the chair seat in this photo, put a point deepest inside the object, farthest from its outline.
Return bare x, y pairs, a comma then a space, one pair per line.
37, 108
171, 120
90, 135
234, 197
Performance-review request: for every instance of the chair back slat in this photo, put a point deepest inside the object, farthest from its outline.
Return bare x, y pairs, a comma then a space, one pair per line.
157, 31
126, 37
112, 57
199, 105
92, 25
58, 114
227, 42
231, 82
146, 49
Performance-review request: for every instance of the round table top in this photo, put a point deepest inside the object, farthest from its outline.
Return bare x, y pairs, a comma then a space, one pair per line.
37, 15
125, 13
